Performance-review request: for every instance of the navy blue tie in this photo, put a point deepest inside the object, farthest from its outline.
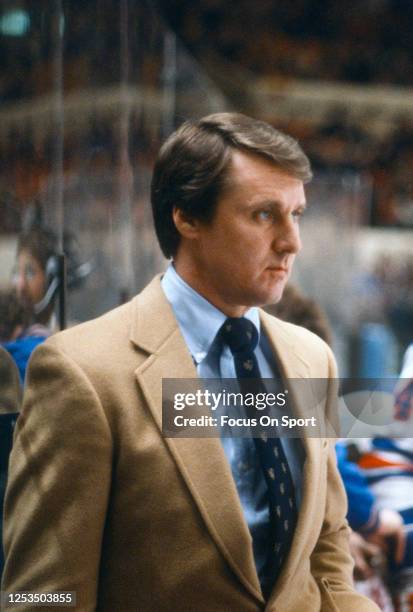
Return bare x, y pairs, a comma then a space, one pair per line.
241, 335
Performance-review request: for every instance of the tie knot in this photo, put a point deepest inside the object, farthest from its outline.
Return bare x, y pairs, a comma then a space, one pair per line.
240, 334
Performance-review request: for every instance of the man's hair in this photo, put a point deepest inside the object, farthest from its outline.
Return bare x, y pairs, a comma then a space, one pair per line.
39, 242
12, 313
194, 162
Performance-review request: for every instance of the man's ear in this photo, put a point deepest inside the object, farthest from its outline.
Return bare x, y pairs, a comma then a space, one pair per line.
186, 225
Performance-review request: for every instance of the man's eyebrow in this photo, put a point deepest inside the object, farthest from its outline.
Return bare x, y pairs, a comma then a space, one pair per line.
275, 203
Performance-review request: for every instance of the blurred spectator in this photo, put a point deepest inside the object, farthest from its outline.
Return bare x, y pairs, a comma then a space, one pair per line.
392, 277
380, 492
35, 275
18, 339
379, 484
13, 315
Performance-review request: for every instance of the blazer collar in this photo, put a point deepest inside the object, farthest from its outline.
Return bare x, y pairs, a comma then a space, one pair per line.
289, 354
152, 318
285, 347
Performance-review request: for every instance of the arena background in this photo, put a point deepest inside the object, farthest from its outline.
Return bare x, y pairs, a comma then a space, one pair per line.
88, 91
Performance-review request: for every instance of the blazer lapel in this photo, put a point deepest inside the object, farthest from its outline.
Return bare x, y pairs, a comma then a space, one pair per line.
202, 461
293, 366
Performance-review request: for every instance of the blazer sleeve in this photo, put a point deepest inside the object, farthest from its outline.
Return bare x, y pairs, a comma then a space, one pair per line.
331, 562
59, 480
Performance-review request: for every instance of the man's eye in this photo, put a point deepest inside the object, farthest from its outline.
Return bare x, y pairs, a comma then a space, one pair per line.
264, 215
297, 214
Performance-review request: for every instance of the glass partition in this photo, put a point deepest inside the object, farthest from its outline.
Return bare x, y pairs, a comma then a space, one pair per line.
89, 93
340, 269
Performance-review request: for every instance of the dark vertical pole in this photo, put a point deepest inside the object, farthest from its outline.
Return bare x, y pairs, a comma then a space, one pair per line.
58, 141
169, 69
62, 291
125, 170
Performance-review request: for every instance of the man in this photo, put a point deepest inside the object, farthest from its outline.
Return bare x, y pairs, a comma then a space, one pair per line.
36, 276
99, 502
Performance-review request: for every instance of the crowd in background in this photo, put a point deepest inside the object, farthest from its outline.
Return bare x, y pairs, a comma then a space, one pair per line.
367, 43
300, 39
304, 39
386, 165
307, 39
26, 161
91, 58
385, 162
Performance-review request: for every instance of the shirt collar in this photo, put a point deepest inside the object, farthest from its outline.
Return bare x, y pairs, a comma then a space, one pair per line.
198, 320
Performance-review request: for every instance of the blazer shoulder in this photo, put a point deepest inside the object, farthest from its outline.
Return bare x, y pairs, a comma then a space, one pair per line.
304, 342
122, 337
96, 337
296, 333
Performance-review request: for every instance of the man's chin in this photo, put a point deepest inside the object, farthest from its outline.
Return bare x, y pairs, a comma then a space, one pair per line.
272, 298
261, 295
275, 294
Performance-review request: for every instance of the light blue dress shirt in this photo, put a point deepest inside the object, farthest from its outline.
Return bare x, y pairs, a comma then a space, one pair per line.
199, 322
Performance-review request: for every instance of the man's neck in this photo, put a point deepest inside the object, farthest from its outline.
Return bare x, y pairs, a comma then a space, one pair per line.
185, 271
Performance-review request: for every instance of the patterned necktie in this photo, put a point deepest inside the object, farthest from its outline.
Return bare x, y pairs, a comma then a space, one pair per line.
241, 335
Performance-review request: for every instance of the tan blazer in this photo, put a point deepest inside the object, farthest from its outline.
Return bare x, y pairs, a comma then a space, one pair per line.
100, 503
10, 385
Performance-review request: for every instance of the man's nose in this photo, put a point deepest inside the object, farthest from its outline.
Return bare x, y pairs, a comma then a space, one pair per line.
287, 238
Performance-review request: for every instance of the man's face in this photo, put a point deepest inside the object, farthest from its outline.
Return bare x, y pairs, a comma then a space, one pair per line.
244, 256
29, 279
